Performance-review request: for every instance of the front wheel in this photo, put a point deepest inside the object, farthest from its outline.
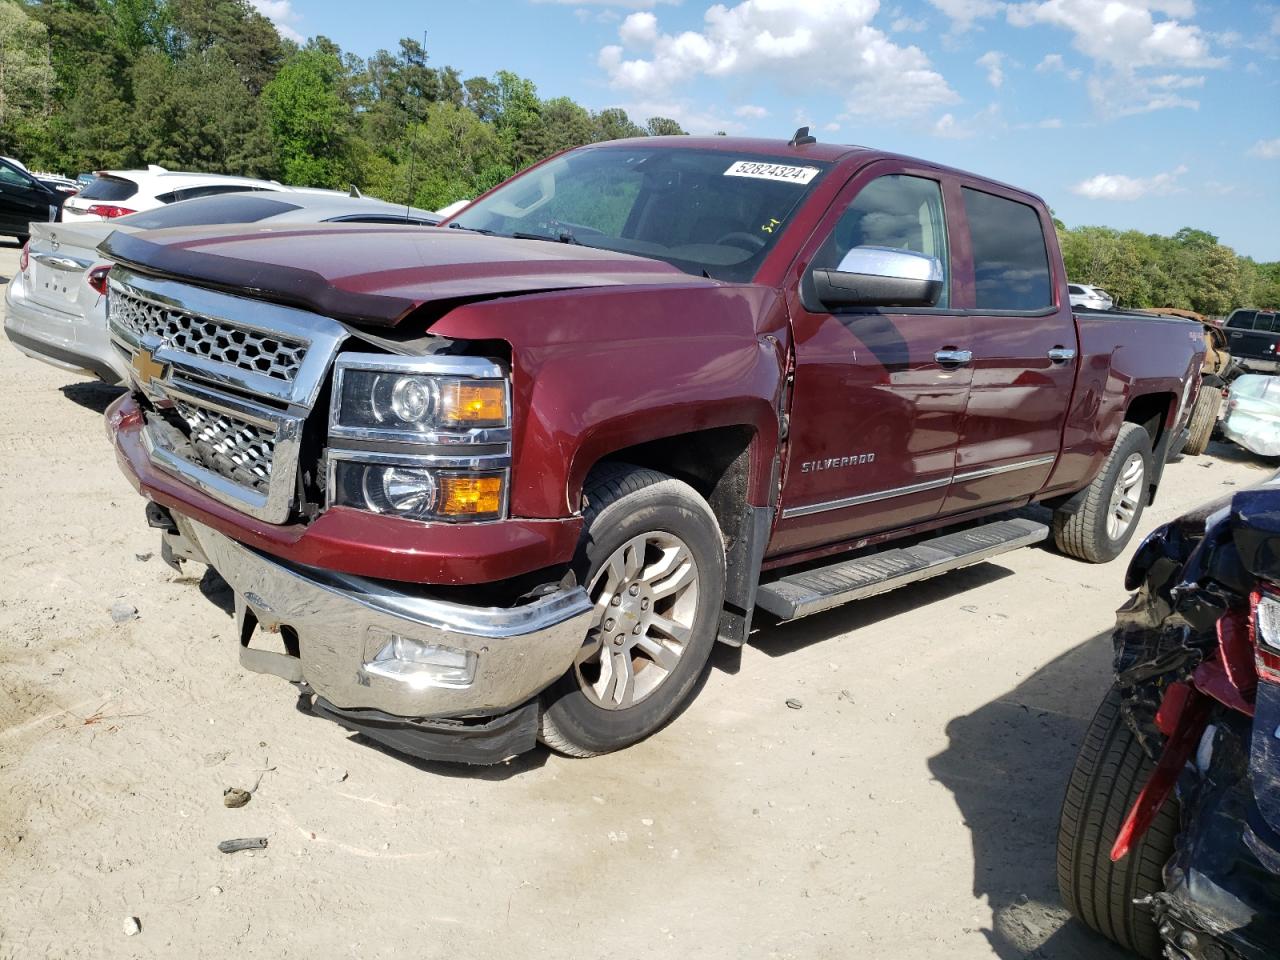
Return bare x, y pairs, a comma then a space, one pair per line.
1110, 771
652, 558
1103, 523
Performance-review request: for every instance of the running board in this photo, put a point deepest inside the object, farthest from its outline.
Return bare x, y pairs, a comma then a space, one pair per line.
813, 591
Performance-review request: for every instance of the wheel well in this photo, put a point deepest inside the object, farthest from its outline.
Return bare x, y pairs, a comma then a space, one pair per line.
714, 462
1150, 412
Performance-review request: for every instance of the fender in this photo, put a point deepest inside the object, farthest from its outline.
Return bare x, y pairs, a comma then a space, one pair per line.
593, 372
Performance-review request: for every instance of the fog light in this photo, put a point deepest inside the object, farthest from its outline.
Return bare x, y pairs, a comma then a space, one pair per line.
418, 664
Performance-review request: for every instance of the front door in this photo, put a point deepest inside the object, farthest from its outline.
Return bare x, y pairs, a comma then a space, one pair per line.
878, 394
22, 200
1025, 354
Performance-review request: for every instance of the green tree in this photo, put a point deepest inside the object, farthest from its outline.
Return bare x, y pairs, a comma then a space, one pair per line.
195, 114
614, 124
309, 121
249, 39
664, 127
26, 72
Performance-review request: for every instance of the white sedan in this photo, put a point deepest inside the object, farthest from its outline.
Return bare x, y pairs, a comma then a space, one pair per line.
56, 304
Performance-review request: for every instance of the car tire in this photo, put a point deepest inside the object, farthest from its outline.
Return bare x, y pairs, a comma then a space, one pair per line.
652, 558
1103, 522
1204, 417
1110, 771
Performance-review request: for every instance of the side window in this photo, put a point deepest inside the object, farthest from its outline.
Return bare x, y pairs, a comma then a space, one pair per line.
1010, 260
896, 211
1072, 288
1264, 322
12, 178
1242, 320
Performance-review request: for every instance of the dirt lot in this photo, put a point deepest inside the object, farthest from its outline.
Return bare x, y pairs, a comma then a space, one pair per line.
907, 810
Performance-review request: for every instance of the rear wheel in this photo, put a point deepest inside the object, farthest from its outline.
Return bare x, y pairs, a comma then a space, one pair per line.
1110, 771
1204, 417
1104, 521
652, 558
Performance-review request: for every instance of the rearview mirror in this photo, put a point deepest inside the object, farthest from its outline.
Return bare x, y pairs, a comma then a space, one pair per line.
880, 277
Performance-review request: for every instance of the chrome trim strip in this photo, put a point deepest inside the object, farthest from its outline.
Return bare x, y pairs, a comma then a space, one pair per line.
1004, 468
841, 504
61, 263
811, 508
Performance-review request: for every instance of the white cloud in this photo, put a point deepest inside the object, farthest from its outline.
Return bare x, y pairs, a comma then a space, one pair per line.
1123, 34
948, 128
750, 111
282, 14
800, 44
1053, 63
1117, 186
639, 29
991, 61
964, 12
908, 25
831, 127
1266, 149
695, 118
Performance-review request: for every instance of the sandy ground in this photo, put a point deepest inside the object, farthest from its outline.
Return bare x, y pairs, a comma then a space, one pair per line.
907, 810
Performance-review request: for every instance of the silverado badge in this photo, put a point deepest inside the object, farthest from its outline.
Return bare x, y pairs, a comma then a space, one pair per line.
147, 367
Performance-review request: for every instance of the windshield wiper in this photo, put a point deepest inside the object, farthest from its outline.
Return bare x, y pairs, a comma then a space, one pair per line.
564, 236
458, 226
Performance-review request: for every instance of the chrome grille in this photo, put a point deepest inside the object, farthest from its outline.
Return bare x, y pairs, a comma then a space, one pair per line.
229, 446
217, 340
231, 381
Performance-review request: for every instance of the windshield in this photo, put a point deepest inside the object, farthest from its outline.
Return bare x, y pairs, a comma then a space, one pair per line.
703, 211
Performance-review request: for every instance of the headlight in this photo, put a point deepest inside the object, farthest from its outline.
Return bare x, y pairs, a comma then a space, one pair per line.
416, 398
425, 438
406, 488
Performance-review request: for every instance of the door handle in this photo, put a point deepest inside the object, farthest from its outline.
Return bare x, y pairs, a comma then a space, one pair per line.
950, 357
1062, 354
1236, 336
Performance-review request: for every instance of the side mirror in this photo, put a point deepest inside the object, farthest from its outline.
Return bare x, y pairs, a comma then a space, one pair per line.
880, 277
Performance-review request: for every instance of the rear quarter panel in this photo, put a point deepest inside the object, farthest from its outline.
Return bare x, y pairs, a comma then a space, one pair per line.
1123, 358
595, 371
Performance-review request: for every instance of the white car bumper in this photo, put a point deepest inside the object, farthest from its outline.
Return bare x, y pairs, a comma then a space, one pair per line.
70, 341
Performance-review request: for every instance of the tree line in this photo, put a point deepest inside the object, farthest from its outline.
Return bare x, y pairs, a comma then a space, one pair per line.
211, 85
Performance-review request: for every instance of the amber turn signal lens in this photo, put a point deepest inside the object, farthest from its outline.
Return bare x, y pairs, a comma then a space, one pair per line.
474, 404
463, 496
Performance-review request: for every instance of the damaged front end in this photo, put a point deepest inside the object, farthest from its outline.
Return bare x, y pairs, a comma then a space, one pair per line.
1199, 678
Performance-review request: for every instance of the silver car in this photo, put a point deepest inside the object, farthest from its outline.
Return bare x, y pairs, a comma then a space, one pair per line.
56, 305
1089, 297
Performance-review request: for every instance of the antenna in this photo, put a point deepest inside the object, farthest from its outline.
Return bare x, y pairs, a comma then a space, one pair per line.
801, 138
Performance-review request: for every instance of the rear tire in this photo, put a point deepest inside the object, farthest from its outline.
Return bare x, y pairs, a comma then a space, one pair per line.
1109, 773
1204, 417
1104, 522
652, 559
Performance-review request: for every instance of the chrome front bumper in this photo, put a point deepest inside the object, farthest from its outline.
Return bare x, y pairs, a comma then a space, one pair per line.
341, 621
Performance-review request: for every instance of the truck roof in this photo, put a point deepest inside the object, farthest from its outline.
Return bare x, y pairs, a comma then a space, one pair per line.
822, 152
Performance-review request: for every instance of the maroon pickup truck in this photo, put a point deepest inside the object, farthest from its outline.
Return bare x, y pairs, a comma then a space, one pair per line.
510, 479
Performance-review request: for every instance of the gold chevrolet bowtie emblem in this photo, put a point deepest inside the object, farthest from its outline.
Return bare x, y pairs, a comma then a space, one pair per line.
147, 367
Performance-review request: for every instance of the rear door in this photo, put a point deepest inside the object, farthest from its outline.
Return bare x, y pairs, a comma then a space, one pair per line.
1024, 347
876, 402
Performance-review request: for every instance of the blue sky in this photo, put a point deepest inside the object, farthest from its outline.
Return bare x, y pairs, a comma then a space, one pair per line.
1152, 114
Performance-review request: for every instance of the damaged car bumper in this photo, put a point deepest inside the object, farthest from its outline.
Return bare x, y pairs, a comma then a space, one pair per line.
429, 677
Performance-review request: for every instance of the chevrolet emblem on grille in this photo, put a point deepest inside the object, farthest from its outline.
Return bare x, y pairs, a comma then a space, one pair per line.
147, 367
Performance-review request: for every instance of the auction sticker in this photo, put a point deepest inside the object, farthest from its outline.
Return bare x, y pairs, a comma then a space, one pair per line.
771, 171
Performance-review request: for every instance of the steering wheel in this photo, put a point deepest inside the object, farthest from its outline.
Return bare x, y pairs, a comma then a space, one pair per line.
735, 238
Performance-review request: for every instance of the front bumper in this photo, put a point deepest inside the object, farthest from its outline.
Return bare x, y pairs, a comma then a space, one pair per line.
332, 626
339, 621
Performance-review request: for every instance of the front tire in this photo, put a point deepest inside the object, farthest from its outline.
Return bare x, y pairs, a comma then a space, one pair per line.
1204, 417
1110, 771
1104, 522
652, 559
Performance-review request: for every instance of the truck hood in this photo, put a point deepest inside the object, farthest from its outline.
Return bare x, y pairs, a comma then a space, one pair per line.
376, 275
